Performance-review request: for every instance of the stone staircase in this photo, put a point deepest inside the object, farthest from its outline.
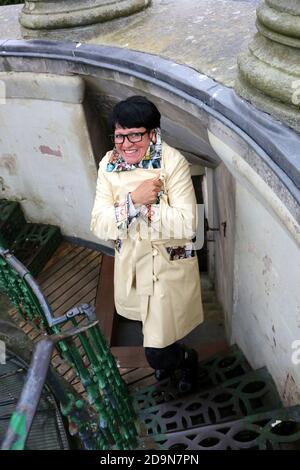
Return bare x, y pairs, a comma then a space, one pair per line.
33, 244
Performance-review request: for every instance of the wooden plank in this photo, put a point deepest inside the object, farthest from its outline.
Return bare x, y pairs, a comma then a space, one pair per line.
74, 295
64, 265
105, 305
86, 298
143, 383
133, 356
63, 368
70, 374
63, 249
70, 273
46, 274
68, 283
34, 334
138, 374
28, 328
69, 266
123, 371
57, 360
85, 295
79, 388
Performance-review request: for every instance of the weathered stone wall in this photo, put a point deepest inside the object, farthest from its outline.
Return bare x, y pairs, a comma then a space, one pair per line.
266, 295
47, 161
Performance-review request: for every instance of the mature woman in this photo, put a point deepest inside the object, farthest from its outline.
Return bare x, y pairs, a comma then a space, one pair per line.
145, 202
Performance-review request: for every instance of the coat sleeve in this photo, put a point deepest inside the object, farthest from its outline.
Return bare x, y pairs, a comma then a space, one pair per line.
176, 214
103, 219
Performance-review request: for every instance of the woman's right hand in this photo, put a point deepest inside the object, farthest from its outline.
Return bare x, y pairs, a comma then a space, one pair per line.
146, 193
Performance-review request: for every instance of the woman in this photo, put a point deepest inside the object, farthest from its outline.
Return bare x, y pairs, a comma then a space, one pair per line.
145, 202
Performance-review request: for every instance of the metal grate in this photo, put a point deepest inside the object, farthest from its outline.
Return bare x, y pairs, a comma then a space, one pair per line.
11, 221
35, 244
47, 431
211, 373
249, 394
273, 430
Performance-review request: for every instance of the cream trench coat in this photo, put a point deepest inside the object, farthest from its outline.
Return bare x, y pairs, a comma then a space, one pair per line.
164, 294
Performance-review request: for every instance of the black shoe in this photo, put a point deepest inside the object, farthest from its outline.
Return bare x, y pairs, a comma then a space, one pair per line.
188, 374
161, 374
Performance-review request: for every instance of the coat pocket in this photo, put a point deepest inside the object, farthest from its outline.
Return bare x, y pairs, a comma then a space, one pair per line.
180, 252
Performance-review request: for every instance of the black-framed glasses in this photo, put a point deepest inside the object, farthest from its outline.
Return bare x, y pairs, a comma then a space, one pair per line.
133, 137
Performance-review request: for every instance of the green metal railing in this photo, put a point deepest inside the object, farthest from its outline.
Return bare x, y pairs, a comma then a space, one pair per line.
115, 425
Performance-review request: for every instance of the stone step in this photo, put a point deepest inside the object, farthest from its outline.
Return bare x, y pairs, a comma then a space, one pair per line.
206, 283
208, 297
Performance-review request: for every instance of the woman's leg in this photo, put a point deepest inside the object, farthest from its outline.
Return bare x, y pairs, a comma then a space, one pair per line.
174, 357
165, 359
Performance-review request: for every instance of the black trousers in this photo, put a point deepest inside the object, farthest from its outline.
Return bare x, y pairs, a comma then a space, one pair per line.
168, 358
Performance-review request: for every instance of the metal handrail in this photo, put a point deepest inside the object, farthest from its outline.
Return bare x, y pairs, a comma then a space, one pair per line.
22, 418
23, 272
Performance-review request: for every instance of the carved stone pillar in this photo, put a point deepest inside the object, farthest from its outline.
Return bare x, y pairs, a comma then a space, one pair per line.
269, 72
55, 14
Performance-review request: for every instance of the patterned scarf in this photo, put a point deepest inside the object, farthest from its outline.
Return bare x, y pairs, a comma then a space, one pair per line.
151, 159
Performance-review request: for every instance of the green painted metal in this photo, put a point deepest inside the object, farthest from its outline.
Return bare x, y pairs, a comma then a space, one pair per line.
35, 244
41, 428
18, 424
11, 221
115, 420
246, 395
16, 288
211, 373
32, 244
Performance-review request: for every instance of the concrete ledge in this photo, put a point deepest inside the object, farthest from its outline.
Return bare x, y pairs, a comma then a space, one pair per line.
43, 86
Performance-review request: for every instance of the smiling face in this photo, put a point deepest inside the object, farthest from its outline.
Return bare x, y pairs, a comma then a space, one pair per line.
133, 153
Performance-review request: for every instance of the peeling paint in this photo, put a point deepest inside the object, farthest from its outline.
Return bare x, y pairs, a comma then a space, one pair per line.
8, 162
267, 264
44, 149
290, 393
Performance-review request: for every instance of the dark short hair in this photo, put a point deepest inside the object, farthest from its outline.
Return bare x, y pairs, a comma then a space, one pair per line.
135, 111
